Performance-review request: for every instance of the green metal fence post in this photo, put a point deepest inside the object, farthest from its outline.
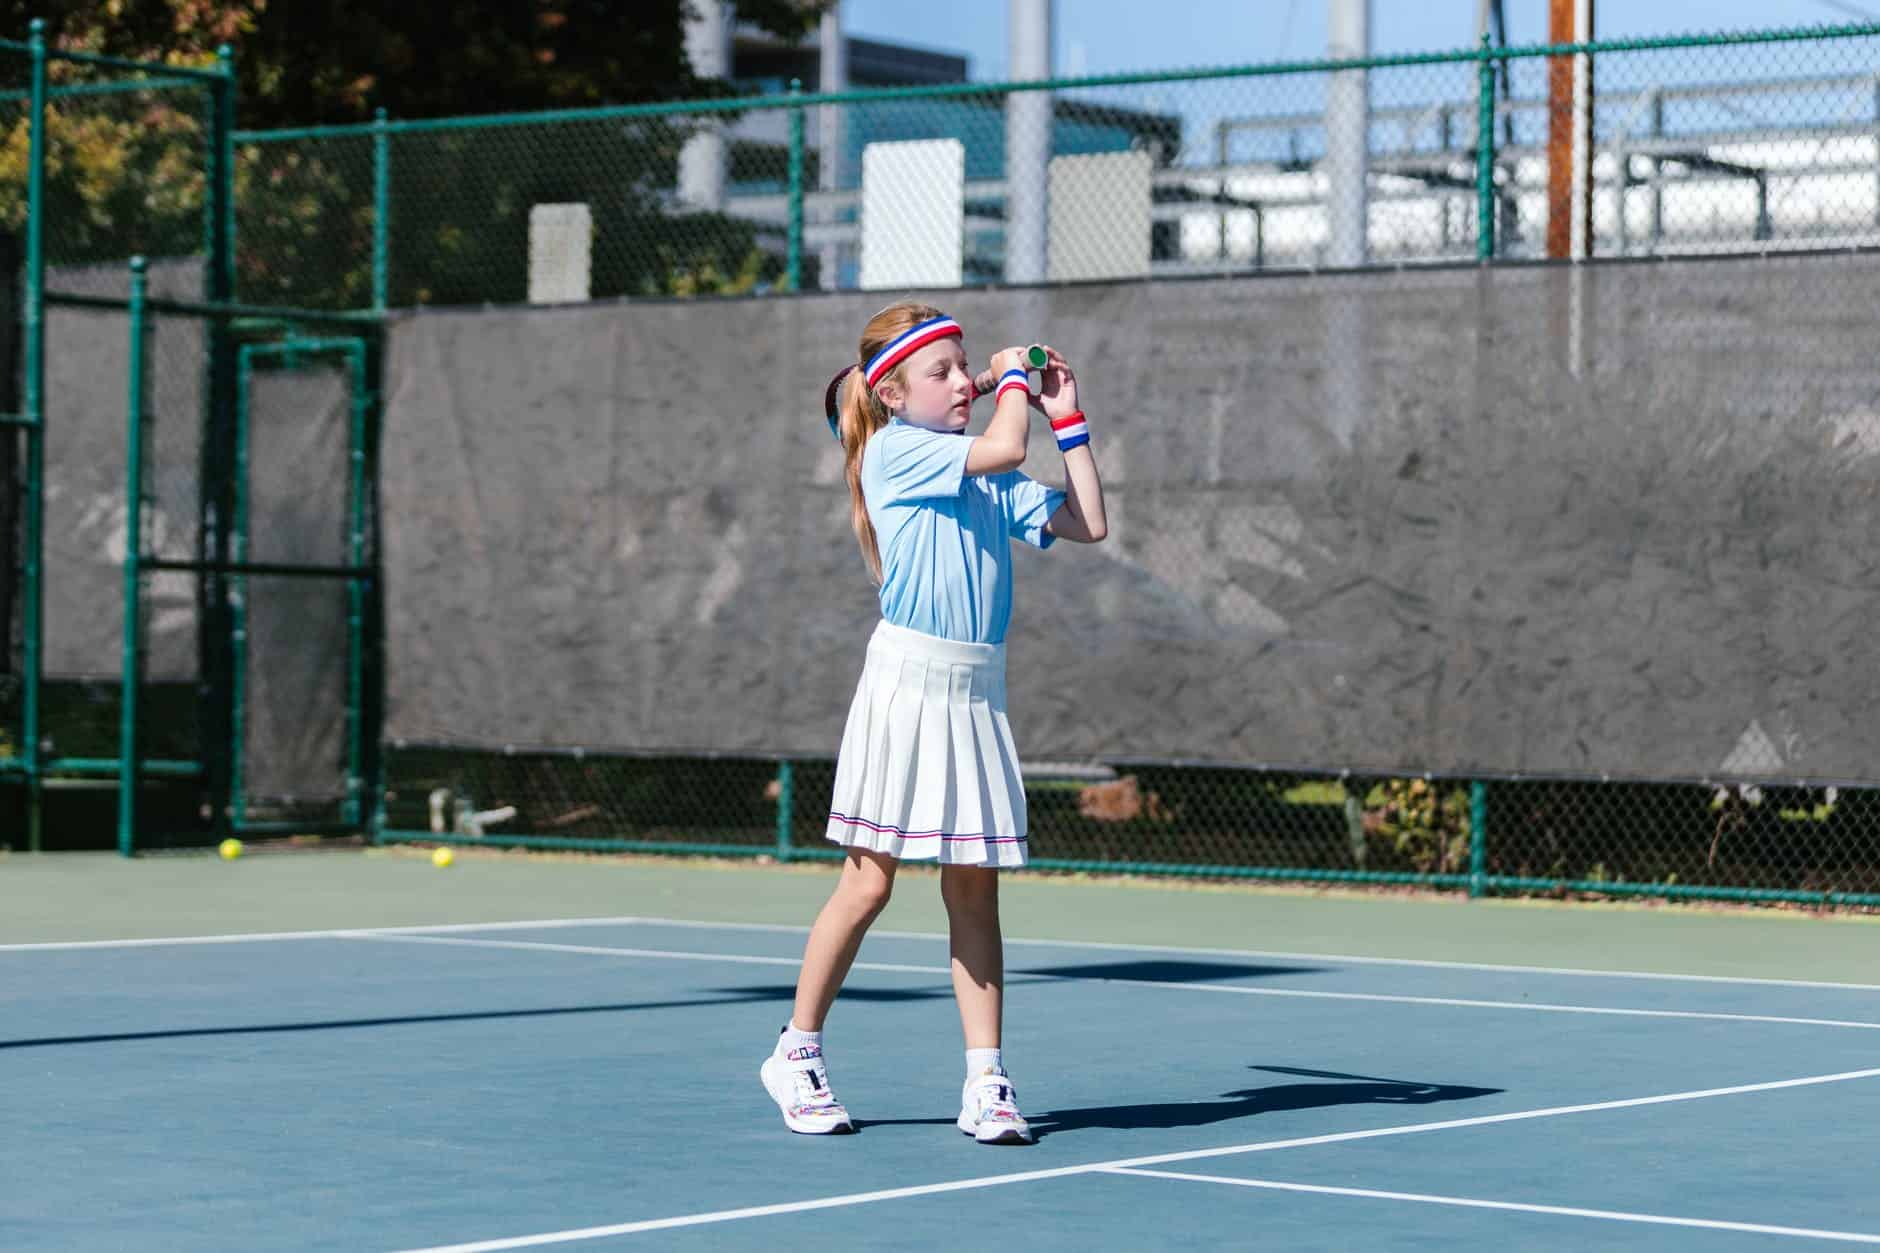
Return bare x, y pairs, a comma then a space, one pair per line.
217, 491
786, 806
794, 272
222, 193
1478, 836
1484, 251
1485, 155
381, 209
32, 541
130, 766
238, 599
353, 810
372, 637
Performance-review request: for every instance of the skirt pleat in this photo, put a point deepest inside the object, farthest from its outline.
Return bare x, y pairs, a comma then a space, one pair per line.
928, 770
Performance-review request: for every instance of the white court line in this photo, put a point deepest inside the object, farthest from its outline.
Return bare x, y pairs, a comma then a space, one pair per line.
1159, 1159
624, 920
541, 946
1623, 1216
1314, 994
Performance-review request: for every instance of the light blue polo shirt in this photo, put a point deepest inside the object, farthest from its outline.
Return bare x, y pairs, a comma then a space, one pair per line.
945, 537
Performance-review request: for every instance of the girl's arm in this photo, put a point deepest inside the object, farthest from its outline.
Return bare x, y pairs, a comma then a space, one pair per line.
1080, 518
1002, 447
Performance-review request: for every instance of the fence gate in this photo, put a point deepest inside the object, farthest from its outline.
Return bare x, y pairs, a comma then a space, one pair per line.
286, 686
298, 586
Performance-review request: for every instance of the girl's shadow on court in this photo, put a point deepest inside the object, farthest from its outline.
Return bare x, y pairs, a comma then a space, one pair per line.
1245, 1103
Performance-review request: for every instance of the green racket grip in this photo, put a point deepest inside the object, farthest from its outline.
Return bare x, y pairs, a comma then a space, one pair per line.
1036, 358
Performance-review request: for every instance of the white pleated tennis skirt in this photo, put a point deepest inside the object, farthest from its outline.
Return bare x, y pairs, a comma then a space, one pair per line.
928, 770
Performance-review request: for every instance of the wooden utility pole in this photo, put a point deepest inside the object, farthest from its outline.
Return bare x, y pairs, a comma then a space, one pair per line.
1570, 132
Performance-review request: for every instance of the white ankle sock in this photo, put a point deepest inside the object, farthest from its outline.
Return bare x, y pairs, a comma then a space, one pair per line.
979, 1061
795, 1039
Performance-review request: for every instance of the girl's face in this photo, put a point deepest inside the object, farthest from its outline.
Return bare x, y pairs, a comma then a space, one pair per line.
935, 388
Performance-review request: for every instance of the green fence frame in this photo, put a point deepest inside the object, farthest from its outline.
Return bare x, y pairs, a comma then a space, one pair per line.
223, 566
31, 761
1488, 58
357, 573
228, 576
1476, 883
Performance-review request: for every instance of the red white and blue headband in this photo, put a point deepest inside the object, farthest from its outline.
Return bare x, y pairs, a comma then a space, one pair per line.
904, 346
909, 342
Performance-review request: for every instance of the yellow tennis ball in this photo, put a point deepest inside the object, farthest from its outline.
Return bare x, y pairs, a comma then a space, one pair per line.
230, 849
442, 857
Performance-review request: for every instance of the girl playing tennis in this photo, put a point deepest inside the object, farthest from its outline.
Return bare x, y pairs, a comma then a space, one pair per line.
927, 769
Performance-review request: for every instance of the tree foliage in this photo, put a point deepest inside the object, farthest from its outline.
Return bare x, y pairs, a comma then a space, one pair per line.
126, 172
311, 62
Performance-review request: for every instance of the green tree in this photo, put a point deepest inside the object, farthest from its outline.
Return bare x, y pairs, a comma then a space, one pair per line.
311, 62
125, 172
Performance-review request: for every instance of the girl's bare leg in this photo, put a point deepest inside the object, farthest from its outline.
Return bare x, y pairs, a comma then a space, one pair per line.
861, 893
971, 894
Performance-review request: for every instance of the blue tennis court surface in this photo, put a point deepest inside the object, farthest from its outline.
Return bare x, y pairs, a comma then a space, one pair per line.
592, 1085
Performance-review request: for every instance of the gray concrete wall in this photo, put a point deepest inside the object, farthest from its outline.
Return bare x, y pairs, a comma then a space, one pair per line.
625, 526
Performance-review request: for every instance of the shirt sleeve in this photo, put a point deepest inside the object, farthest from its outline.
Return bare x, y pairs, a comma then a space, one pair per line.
1029, 504
922, 465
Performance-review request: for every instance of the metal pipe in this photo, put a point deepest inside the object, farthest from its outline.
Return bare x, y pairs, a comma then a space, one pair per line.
1028, 144
575, 844
1274, 69
271, 569
1348, 136
1687, 891
793, 266
1485, 154
33, 541
831, 141
381, 211
1478, 835
130, 773
119, 88
216, 504
1581, 223
353, 811
108, 767
223, 310
786, 807
1221, 132
703, 159
122, 63
238, 597
1657, 176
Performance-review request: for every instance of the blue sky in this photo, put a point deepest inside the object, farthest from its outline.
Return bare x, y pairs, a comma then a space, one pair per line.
1114, 36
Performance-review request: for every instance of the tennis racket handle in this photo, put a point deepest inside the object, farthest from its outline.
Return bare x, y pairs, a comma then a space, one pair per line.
1035, 359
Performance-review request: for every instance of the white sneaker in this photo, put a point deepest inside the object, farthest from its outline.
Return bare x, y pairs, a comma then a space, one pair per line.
989, 1110
799, 1083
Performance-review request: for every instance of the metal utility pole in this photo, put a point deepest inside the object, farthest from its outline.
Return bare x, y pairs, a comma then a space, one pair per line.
831, 172
1347, 135
1028, 143
702, 162
1570, 132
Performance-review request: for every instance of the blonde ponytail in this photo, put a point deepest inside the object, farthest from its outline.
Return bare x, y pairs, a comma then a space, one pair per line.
860, 414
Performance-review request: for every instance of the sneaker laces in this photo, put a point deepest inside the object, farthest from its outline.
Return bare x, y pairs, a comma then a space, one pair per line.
995, 1099
811, 1078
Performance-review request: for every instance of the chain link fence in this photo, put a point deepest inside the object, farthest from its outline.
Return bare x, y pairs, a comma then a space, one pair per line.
101, 159
1676, 147
1662, 149
1658, 147
1815, 846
